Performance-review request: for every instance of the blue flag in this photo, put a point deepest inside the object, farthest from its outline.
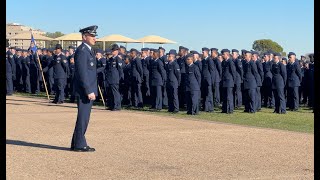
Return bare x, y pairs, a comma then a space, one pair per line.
33, 45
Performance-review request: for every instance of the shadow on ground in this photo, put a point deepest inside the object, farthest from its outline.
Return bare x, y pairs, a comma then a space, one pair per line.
29, 144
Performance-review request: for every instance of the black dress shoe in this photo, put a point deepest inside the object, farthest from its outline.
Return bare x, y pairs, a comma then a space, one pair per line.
60, 102
115, 109
55, 102
84, 149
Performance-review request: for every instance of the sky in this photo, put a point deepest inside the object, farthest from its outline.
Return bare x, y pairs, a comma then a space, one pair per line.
231, 24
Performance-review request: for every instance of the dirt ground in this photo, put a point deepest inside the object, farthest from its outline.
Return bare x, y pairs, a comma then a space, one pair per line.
137, 145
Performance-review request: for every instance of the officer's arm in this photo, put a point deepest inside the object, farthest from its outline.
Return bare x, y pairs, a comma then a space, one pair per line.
120, 70
261, 71
283, 73
82, 67
162, 71
219, 67
197, 75
211, 67
139, 68
298, 71
233, 70
254, 71
241, 69
177, 73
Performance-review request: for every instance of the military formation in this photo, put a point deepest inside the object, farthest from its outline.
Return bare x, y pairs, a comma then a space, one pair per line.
184, 80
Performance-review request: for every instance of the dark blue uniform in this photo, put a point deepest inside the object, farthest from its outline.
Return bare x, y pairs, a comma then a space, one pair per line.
250, 74
260, 78
26, 74
49, 74
172, 84
113, 72
34, 74
228, 77
18, 82
268, 98
206, 84
294, 79
218, 74
311, 84
9, 72
192, 82
136, 80
237, 83
101, 65
145, 86
157, 78
71, 78
60, 66
85, 82
279, 78
164, 89
182, 87
126, 84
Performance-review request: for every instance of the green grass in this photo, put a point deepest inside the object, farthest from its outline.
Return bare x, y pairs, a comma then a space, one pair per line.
299, 121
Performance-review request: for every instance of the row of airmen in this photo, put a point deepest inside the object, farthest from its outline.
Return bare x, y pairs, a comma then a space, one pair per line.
173, 79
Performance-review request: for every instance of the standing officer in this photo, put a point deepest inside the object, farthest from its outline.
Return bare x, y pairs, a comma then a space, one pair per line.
238, 79
113, 72
173, 81
34, 72
9, 73
125, 89
217, 76
279, 78
145, 87
136, 73
208, 70
59, 65
26, 71
182, 64
85, 87
163, 58
71, 77
293, 80
68, 88
123, 50
259, 78
311, 81
250, 74
157, 78
49, 73
193, 81
228, 77
18, 59
268, 98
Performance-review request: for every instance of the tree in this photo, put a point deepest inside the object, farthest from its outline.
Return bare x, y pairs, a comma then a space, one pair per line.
264, 45
54, 35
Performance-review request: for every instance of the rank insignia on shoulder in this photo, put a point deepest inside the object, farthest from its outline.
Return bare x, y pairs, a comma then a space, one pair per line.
11, 56
65, 61
178, 69
91, 64
120, 64
166, 62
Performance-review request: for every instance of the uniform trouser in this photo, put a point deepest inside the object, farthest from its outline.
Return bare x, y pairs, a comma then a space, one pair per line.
227, 102
192, 102
293, 97
268, 97
156, 94
305, 93
50, 84
84, 110
72, 96
126, 94
237, 95
18, 83
311, 95
34, 79
280, 101
145, 89
300, 94
115, 96
59, 89
217, 93
136, 95
258, 99
173, 100
182, 91
26, 84
164, 95
207, 96
9, 83
250, 100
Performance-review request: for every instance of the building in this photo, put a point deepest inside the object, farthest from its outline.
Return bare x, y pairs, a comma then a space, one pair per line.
13, 29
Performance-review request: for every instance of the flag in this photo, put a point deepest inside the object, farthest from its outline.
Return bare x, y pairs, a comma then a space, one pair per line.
33, 45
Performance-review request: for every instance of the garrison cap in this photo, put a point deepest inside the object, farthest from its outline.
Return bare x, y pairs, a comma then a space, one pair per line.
115, 47
189, 55
214, 49
225, 50
91, 30
284, 59
134, 50
99, 51
18, 49
180, 47
291, 53
276, 54
205, 49
71, 47
234, 50
266, 54
50, 50
108, 51
302, 56
58, 46
156, 50
144, 49
162, 48
196, 52
122, 47
43, 49
173, 51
